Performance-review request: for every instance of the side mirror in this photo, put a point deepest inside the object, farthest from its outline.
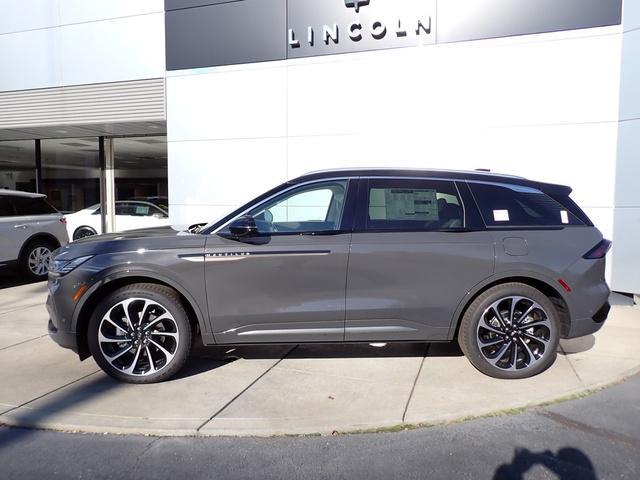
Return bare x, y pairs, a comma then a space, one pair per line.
243, 227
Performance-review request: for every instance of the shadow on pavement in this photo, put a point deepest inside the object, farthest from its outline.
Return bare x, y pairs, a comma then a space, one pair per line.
204, 359
57, 404
568, 464
11, 277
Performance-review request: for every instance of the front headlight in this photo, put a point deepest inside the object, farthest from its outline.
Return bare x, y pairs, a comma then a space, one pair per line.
63, 266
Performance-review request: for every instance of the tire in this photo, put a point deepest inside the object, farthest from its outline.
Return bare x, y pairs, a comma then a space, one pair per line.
35, 258
489, 341
129, 358
83, 231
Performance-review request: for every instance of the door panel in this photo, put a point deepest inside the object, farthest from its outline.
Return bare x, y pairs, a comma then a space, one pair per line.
11, 238
287, 282
289, 289
406, 285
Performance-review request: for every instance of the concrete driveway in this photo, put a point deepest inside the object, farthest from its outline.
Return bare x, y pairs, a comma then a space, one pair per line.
284, 390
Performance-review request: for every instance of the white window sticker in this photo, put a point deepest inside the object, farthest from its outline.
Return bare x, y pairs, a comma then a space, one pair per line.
564, 216
501, 215
411, 204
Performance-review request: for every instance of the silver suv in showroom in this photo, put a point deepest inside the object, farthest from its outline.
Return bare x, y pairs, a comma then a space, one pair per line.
504, 265
30, 230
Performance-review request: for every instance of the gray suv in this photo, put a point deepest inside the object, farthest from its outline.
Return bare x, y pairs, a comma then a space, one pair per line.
30, 230
505, 265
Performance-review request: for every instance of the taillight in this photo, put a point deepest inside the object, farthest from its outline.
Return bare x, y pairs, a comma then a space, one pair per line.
63, 220
599, 251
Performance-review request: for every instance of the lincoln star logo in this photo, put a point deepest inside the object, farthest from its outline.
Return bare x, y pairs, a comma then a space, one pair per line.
356, 4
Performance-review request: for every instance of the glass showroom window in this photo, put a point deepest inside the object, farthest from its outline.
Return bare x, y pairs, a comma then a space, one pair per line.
18, 165
71, 173
140, 182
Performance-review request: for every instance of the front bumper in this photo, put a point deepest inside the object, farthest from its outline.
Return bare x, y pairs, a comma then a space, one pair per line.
586, 326
56, 327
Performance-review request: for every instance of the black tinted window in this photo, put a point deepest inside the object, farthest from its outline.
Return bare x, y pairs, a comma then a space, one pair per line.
32, 206
514, 205
6, 209
407, 204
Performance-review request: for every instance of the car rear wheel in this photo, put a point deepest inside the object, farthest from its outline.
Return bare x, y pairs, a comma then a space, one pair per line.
140, 334
510, 331
82, 232
36, 258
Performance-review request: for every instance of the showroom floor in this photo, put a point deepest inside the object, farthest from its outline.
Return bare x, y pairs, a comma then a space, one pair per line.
285, 390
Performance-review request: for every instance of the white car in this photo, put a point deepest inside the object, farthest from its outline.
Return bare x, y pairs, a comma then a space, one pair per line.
30, 229
130, 215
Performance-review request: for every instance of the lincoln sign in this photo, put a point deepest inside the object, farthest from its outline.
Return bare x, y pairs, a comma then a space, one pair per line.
357, 25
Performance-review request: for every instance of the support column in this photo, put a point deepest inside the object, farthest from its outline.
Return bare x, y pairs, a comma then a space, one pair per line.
107, 186
39, 188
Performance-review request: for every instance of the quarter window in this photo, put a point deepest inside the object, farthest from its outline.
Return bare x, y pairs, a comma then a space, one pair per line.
408, 204
515, 205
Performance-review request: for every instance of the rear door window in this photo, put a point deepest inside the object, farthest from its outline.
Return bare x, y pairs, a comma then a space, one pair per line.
413, 205
32, 206
519, 206
6, 208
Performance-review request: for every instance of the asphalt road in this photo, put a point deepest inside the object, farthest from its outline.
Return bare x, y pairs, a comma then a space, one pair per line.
597, 437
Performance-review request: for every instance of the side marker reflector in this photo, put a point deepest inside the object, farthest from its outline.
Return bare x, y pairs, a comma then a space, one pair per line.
564, 285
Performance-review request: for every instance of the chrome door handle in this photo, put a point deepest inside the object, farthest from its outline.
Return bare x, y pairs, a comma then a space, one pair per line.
21, 226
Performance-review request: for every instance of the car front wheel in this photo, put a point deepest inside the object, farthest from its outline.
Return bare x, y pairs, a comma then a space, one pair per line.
510, 331
36, 258
140, 334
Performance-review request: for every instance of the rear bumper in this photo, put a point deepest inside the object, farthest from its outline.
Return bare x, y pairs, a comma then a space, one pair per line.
586, 326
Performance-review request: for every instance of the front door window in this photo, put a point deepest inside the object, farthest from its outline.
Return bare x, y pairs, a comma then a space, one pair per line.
310, 208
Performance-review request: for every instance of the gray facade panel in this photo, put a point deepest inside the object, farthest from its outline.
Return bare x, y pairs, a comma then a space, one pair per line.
460, 20
223, 34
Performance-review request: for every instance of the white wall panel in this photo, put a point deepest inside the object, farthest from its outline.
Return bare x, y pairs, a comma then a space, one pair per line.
218, 175
628, 166
631, 14
21, 15
78, 11
30, 60
238, 103
625, 254
630, 76
489, 83
113, 50
125, 48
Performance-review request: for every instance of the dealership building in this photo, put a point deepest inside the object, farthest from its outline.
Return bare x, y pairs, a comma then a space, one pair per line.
211, 102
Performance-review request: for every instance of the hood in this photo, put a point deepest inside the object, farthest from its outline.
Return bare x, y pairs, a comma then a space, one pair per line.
156, 238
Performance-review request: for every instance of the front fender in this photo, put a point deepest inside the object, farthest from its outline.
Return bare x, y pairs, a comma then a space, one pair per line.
193, 291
